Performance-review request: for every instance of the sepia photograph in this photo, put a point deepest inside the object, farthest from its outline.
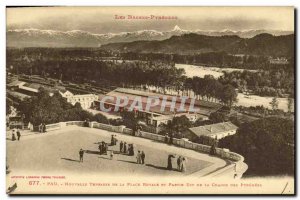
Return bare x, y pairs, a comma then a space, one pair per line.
150, 100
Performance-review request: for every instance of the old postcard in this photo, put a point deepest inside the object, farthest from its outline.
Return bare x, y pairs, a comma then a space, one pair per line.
150, 100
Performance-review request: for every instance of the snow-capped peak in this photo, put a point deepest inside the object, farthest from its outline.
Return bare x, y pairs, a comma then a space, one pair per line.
177, 28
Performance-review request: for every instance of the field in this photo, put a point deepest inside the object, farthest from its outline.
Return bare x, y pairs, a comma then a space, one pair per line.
243, 100
216, 72
57, 151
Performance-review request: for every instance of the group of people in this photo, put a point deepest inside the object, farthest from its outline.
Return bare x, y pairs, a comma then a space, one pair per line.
181, 163
113, 140
140, 157
103, 147
126, 148
42, 128
13, 136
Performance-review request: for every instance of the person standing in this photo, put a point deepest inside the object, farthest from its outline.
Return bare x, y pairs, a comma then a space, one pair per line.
13, 137
213, 149
121, 146
143, 157
105, 147
44, 128
81, 152
138, 157
179, 161
166, 138
100, 148
170, 167
112, 140
111, 154
125, 148
183, 164
41, 127
171, 138
18, 134
115, 140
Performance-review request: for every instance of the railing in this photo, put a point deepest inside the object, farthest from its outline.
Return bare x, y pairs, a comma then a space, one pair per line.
52, 127
223, 153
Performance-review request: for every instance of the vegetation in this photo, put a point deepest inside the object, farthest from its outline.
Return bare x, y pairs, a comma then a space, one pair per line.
176, 126
271, 82
52, 109
267, 145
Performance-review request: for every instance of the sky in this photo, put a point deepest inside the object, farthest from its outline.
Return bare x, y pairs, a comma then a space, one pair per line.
102, 19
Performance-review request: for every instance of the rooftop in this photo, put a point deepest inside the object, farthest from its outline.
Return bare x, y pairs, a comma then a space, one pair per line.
213, 129
205, 108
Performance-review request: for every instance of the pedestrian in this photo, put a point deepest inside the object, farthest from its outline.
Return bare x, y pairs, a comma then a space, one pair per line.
105, 147
41, 127
115, 140
171, 138
132, 150
170, 167
44, 128
13, 137
18, 134
111, 154
213, 150
179, 161
125, 148
121, 146
81, 152
183, 164
166, 138
112, 140
143, 157
100, 148
138, 157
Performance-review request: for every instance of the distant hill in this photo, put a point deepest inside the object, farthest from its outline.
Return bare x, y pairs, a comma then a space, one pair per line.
78, 38
262, 44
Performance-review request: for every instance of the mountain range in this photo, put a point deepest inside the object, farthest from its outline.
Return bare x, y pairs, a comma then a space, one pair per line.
78, 38
262, 44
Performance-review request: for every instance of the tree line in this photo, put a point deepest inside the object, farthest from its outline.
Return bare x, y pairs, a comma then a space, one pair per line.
128, 74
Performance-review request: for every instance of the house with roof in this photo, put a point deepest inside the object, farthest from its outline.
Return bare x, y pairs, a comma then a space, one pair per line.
213, 132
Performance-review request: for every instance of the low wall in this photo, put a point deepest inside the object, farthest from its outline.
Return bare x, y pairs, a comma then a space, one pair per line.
185, 143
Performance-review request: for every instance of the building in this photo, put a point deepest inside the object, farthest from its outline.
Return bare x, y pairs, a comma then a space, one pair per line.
86, 100
31, 89
155, 115
205, 134
278, 61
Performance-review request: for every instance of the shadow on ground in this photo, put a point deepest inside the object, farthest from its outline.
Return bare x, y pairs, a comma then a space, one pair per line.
68, 159
128, 161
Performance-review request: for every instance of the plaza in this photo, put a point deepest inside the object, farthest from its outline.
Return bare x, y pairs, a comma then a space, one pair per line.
57, 151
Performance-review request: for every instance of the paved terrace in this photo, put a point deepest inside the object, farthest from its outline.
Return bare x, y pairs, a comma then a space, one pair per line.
57, 151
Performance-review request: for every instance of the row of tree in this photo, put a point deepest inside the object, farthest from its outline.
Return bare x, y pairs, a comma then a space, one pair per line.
129, 74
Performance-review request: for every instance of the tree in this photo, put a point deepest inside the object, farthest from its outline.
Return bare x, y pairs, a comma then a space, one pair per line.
9, 103
217, 117
228, 95
177, 126
267, 145
274, 103
101, 118
51, 109
130, 119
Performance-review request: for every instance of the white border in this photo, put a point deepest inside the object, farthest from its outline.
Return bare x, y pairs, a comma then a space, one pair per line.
5, 3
